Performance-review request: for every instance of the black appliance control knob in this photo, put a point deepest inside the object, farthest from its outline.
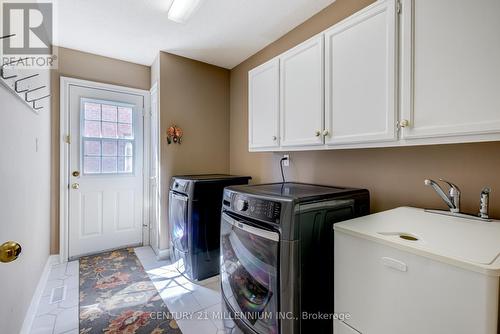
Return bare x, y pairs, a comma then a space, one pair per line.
242, 205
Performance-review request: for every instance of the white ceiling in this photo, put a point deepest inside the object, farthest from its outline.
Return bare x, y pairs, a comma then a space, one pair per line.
221, 32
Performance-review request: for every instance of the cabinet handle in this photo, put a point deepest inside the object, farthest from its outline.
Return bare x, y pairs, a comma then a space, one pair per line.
274, 138
325, 133
394, 264
404, 123
318, 133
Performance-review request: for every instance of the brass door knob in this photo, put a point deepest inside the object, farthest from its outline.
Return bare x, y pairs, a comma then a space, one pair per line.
404, 123
9, 251
75, 186
76, 173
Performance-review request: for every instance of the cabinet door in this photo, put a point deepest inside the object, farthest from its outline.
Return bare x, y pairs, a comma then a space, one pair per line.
302, 91
451, 68
263, 106
361, 70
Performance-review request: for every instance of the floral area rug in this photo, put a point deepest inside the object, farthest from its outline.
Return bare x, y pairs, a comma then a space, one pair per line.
117, 296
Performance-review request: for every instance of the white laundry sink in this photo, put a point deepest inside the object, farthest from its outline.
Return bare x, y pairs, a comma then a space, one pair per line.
410, 271
468, 243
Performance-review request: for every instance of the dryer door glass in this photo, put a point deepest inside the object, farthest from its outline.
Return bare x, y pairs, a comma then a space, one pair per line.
249, 273
177, 214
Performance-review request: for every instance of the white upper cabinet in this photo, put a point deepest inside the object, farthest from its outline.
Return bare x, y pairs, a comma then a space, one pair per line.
451, 69
398, 72
361, 77
263, 99
301, 94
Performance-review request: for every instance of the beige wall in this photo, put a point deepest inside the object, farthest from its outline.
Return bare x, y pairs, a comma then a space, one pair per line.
394, 176
86, 66
195, 97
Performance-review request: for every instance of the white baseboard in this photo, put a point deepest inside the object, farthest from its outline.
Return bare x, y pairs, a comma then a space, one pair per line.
37, 295
163, 254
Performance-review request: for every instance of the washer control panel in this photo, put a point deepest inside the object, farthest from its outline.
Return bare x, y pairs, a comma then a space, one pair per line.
257, 208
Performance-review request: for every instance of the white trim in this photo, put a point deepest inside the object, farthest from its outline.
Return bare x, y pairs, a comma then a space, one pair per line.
65, 84
154, 90
37, 295
164, 254
400, 143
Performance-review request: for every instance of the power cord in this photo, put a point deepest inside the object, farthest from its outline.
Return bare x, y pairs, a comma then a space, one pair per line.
281, 167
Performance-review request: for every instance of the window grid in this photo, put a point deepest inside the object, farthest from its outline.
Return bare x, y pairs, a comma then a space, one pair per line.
111, 152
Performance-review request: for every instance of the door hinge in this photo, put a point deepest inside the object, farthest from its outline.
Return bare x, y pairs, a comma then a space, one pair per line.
67, 139
399, 7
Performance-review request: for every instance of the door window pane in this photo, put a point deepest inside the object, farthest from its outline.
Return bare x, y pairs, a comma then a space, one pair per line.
92, 111
92, 147
125, 148
109, 164
107, 137
125, 115
125, 164
125, 130
109, 148
92, 129
109, 113
91, 165
109, 130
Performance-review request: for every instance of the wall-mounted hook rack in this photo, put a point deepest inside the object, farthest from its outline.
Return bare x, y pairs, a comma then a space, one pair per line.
16, 88
7, 64
34, 101
31, 91
8, 36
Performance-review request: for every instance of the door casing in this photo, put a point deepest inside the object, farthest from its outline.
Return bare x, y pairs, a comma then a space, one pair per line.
65, 84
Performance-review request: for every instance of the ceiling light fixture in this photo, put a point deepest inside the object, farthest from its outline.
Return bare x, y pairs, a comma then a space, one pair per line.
181, 10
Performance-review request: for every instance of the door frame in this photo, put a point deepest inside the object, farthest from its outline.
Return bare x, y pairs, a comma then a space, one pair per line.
154, 92
64, 139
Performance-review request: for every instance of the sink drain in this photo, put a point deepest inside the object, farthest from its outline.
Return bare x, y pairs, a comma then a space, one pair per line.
408, 237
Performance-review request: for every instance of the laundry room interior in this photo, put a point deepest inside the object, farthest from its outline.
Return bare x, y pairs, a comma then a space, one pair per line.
250, 167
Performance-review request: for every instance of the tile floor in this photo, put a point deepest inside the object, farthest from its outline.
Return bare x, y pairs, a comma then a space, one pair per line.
201, 301
59, 317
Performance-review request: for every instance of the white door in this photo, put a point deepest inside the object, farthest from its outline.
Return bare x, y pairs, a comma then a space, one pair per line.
106, 177
154, 173
263, 105
451, 67
361, 70
302, 91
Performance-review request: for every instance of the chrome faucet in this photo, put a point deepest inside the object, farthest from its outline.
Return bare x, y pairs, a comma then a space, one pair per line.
453, 197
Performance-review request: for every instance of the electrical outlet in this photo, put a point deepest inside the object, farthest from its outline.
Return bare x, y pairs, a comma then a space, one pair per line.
286, 162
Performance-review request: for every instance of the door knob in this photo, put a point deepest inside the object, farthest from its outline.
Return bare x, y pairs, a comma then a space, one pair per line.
75, 186
404, 123
9, 251
76, 173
